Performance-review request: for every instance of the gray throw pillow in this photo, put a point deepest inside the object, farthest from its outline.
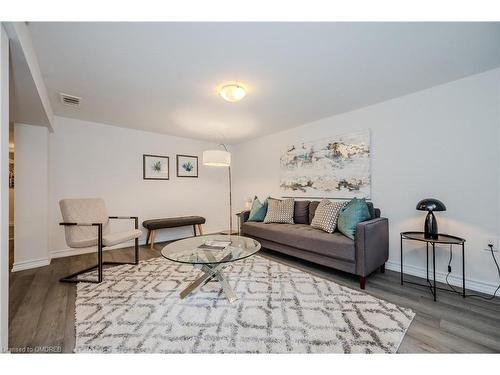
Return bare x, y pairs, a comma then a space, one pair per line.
327, 214
301, 212
279, 211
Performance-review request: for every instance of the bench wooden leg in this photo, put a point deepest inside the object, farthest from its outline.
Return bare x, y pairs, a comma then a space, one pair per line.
200, 230
152, 239
194, 230
147, 237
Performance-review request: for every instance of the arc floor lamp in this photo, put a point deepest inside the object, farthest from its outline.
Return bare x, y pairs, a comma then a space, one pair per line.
221, 158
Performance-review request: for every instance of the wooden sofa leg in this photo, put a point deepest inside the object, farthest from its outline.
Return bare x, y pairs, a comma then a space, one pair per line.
362, 282
200, 230
382, 268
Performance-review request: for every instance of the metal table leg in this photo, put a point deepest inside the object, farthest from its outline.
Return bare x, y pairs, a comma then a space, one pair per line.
401, 260
215, 273
463, 270
226, 288
207, 275
434, 268
427, 255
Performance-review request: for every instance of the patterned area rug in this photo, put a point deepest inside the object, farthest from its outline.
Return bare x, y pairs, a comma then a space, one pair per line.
280, 310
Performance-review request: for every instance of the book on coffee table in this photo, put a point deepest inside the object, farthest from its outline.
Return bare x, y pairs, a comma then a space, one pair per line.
214, 245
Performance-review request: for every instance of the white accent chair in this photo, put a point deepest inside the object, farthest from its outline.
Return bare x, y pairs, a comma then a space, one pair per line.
86, 223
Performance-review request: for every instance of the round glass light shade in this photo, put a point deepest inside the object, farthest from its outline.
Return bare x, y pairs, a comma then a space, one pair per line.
232, 92
216, 158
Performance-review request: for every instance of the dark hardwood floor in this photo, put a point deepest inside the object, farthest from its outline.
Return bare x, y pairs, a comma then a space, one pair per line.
42, 310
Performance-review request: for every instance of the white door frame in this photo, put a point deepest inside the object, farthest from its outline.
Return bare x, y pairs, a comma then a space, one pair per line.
4, 189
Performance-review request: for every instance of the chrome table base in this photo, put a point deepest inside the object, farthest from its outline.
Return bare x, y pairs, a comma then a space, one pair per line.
210, 272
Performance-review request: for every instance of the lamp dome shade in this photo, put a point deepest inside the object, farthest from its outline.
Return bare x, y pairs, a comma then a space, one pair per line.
431, 204
216, 158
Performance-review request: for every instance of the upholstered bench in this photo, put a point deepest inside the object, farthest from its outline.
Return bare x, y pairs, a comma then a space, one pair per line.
172, 222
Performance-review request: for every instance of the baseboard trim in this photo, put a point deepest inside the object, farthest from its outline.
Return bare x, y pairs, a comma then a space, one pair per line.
28, 264
67, 252
472, 284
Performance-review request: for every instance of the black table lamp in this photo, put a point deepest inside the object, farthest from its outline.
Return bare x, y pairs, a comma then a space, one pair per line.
431, 225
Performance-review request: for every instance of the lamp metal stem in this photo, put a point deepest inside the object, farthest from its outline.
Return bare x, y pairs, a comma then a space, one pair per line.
230, 195
230, 203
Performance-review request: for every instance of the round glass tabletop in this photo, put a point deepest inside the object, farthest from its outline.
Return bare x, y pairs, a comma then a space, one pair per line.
210, 249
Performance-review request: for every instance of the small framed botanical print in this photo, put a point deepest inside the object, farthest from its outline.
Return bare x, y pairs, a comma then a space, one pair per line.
187, 166
155, 167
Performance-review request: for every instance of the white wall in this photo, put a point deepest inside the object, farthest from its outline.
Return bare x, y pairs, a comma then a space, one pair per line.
442, 142
31, 197
95, 160
4, 186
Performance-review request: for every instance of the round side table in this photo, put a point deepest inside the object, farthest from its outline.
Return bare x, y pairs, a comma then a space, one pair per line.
440, 239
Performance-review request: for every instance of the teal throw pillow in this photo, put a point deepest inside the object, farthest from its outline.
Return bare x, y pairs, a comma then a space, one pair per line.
353, 213
258, 211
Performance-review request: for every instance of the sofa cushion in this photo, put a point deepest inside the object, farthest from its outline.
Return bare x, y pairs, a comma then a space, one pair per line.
301, 212
313, 205
356, 211
279, 211
371, 209
304, 237
327, 214
374, 212
258, 211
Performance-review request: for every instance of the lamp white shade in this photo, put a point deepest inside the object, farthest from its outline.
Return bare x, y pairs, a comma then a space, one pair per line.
216, 158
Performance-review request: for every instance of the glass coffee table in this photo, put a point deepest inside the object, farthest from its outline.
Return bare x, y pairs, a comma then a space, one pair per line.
209, 254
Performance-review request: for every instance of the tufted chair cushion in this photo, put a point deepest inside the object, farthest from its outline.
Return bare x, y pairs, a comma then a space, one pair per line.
86, 210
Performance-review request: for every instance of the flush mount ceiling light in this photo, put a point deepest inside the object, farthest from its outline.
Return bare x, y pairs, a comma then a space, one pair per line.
232, 92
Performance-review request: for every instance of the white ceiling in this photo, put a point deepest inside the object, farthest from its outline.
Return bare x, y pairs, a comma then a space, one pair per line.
162, 77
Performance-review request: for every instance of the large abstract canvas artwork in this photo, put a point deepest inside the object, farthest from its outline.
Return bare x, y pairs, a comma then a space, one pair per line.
335, 167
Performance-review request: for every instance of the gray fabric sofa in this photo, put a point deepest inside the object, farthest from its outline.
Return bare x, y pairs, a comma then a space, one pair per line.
368, 251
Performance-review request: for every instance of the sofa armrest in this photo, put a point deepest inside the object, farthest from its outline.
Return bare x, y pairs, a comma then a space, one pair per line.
244, 215
372, 245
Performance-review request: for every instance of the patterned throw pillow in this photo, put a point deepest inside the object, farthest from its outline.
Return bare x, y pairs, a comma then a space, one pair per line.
327, 214
279, 211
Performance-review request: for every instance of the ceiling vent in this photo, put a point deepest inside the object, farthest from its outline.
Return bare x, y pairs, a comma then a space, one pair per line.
70, 100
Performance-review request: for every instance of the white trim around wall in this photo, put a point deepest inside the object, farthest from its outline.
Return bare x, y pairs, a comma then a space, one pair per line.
472, 284
42, 262
28, 264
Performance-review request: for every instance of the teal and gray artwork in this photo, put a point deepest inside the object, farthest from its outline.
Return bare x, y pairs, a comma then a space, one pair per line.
155, 167
335, 167
187, 166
